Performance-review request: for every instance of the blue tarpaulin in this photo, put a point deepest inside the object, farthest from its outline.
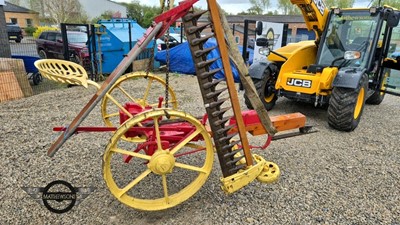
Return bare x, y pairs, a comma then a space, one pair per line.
180, 59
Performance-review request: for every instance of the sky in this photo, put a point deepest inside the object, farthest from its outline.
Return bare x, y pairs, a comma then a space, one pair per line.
233, 6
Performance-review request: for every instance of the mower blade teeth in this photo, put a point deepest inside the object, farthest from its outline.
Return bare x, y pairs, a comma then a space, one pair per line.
208, 74
201, 40
203, 64
216, 93
237, 168
230, 146
204, 52
222, 121
223, 131
228, 137
213, 83
199, 29
217, 103
193, 15
232, 153
216, 100
221, 112
235, 160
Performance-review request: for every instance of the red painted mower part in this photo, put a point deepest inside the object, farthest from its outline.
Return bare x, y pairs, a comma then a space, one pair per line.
169, 17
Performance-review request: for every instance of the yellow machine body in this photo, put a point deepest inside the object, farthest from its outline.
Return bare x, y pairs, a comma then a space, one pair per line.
294, 78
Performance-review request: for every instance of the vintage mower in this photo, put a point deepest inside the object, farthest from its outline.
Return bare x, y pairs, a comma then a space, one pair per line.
153, 144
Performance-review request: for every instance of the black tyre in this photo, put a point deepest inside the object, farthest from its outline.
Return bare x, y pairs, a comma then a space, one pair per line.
377, 97
265, 88
346, 106
36, 78
42, 54
17, 40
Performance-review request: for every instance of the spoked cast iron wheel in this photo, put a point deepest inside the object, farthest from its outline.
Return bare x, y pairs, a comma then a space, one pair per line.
131, 88
346, 106
266, 90
166, 178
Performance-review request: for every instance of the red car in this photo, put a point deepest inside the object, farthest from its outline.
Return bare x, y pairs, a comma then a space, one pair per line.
50, 45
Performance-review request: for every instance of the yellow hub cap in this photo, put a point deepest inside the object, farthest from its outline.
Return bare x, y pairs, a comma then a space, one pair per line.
359, 104
162, 162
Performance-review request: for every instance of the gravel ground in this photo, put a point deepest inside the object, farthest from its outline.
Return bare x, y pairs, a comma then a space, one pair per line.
328, 177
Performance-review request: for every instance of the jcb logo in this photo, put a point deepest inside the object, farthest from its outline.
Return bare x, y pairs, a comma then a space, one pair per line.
320, 5
299, 83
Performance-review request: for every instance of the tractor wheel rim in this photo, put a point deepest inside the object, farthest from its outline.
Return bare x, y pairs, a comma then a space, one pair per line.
269, 98
359, 104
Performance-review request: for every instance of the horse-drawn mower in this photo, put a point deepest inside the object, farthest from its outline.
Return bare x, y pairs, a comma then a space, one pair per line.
154, 144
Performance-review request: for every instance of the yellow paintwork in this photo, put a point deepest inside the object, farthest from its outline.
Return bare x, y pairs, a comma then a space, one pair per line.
63, 71
243, 177
160, 164
299, 55
131, 95
321, 82
270, 172
384, 82
269, 98
314, 16
360, 103
292, 49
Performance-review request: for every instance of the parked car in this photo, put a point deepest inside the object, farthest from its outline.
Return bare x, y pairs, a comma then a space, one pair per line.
14, 32
173, 39
50, 45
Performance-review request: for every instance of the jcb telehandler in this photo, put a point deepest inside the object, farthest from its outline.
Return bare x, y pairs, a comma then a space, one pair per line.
344, 68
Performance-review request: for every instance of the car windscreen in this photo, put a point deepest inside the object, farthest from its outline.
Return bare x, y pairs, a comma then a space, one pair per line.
77, 37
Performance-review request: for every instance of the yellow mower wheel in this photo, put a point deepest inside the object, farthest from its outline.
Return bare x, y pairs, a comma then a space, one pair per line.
270, 172
166, 178
134, 87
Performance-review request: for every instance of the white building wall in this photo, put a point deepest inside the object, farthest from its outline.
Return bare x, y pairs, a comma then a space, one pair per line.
95, 8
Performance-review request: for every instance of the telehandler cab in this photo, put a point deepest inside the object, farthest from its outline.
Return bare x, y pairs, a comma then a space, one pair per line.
344, 68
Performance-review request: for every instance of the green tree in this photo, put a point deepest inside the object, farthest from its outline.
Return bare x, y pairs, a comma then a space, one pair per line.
254, 10
148, 18
393, 3
143, 14
62, 11
106, 15
288, 7
259, 6
135, 11
339, 3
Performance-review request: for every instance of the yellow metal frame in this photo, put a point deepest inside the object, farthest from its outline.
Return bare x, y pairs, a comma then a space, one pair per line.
263, 171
